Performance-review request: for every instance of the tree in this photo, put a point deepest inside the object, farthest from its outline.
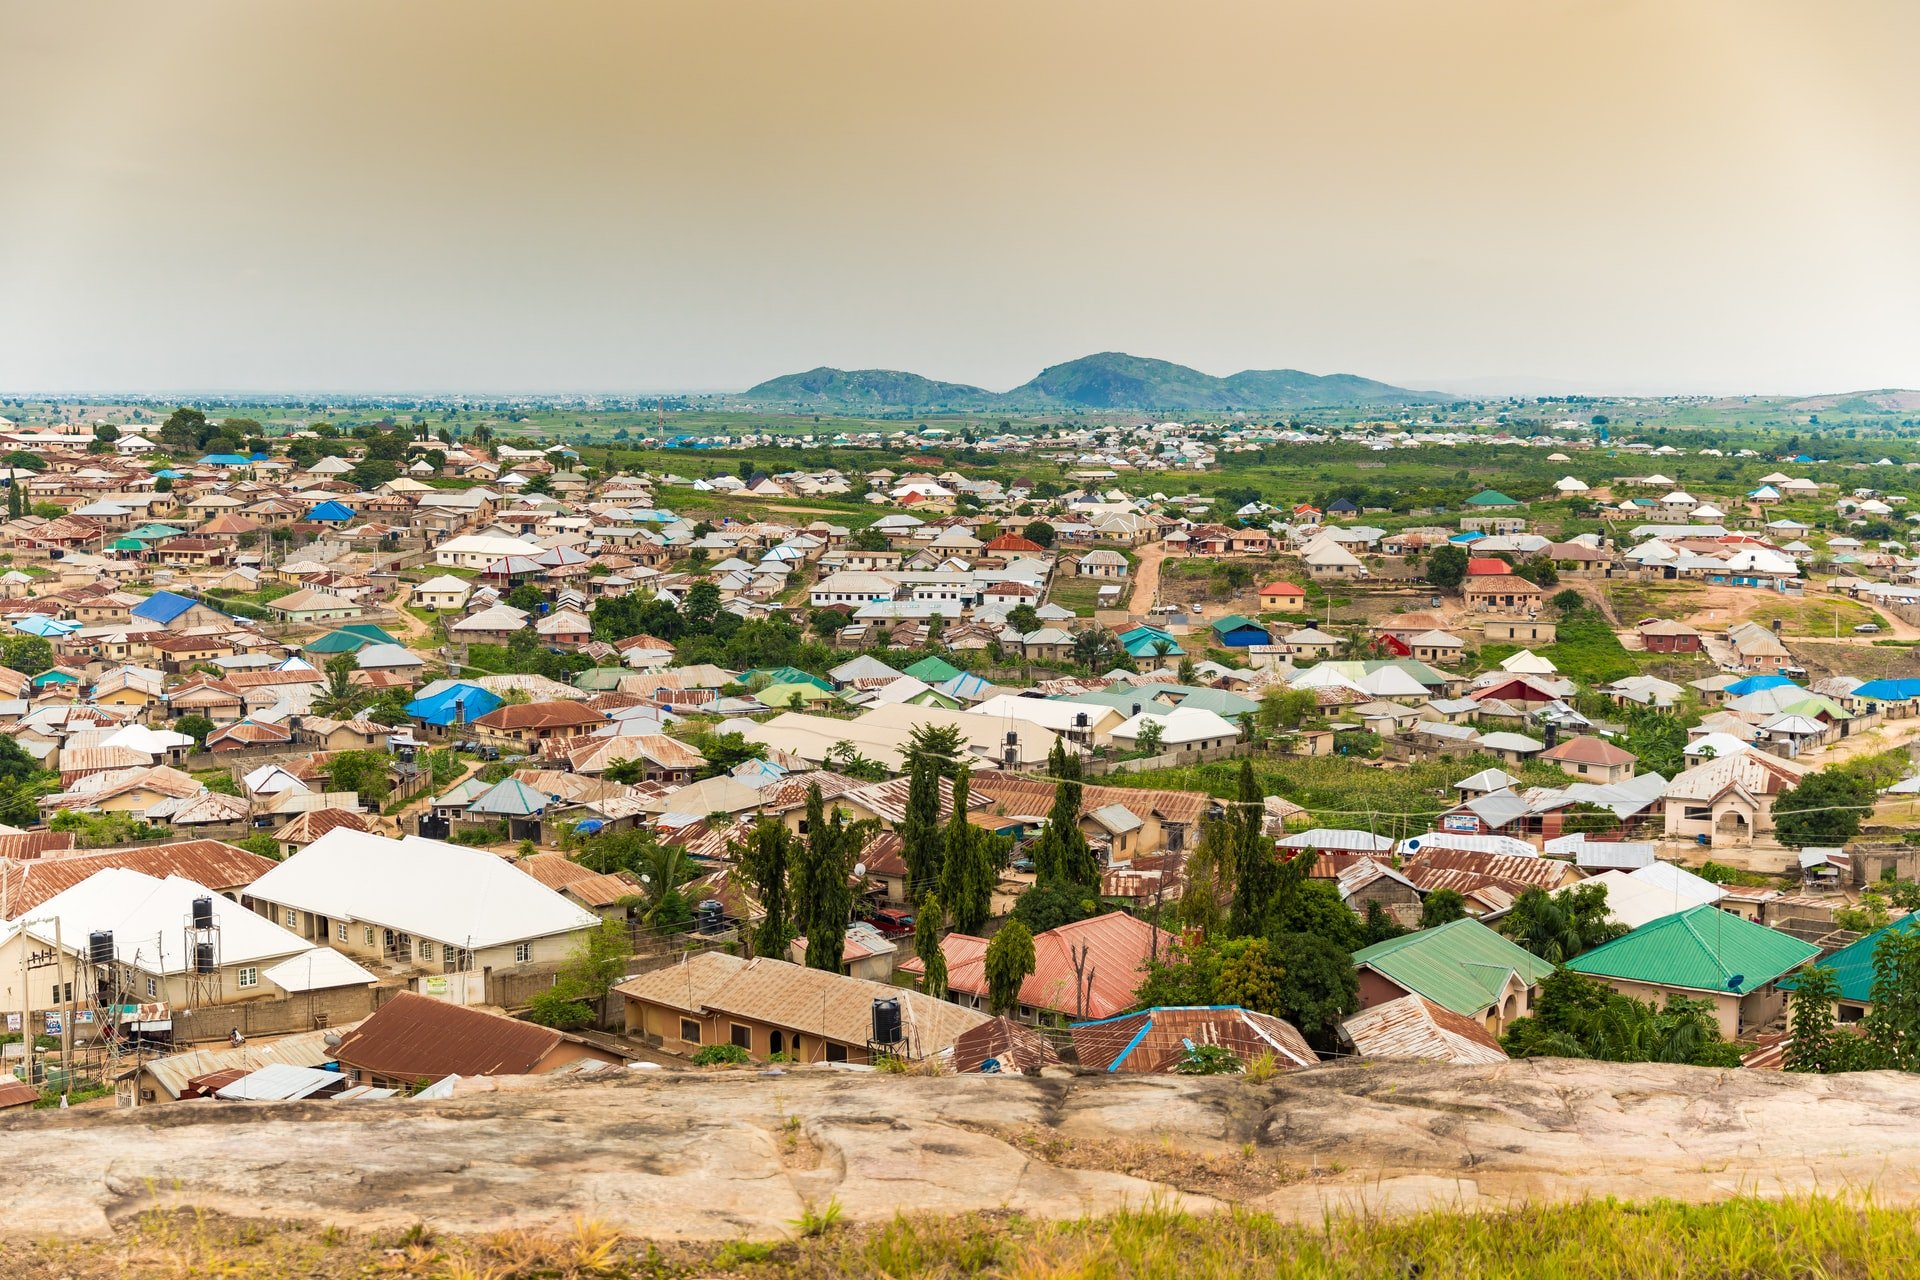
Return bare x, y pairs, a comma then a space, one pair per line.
926, 945
922, 842
342, 697
196, 727
1810, 1020
1578, 1017
1893, 1023
1044, 907
1039, 531
583, 981
1442, 906
1061, 857
1257, 875
766, 860
1209, 880
1447, 566
364, 772
1378, 924
1561, 926
822, 898
29, 655
1568, 602
1321, 986
1023, 618
938, 746
1825, 809
1147, 739
966, 874
1010, 962
625, 772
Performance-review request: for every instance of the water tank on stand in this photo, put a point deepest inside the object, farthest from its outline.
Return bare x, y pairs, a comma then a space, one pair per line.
886, 1021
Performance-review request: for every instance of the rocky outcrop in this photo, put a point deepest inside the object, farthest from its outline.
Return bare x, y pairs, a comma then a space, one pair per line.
706, 1156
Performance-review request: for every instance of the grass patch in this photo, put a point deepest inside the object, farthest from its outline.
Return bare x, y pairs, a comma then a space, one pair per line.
1817, 616
1839, 1238
1586, 650
1082, 595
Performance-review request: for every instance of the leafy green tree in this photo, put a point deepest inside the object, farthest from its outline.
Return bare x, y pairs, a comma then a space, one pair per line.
927, 925
1062, 858
29, 655
936, 746
766, 859
1321, 986
822, 897
583, 981
1576, 1016
1442, 906
1043, 907
1378, 925
922, 842
1039, 531
967, 874
1563, 925
1147, 739
1257, 875
1825, 809
1023, 618
342, 697
625, 772
364, 772
1010, 962
1209, 880
1447, 566
1893, 1023
1811, 1022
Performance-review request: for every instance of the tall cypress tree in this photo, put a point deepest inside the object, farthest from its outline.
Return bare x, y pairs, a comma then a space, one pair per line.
1061, 856
823, 900
922, 842
926, 945
1256, 875
767, 861
967, 877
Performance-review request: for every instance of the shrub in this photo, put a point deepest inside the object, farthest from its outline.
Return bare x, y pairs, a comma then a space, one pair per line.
722, 1055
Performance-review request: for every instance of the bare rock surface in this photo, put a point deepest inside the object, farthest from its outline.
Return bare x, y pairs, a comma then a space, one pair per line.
714, 1156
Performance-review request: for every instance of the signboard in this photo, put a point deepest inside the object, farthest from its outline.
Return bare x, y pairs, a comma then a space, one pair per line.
84, 1017
53, 1024
1465, 822
13, 1023
434, 987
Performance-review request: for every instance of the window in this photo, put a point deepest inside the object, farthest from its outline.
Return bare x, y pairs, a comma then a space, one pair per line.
425, 949
1697, 813
369, 935
836, 1053
250, 976
293, 918
340, 934
153, 988
689, 1031
522, 953
741, 1036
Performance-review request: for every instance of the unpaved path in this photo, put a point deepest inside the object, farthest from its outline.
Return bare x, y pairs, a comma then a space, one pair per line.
1146, 578
717, 1156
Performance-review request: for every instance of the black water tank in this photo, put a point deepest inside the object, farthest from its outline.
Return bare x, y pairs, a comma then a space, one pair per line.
203, 913
886, 1021
100, 947
713, 915
203, 957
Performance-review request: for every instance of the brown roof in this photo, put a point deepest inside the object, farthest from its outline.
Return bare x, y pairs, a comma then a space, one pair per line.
1016, 795
563, 875
538, 715
247, 732
17, 1093
213, 863
1587, 749
1415, 1027
1157, 1040
419, 1038
34, 844
1502, 584
258, 679
314, 823
1117, 947
1015, 1046
1461, 869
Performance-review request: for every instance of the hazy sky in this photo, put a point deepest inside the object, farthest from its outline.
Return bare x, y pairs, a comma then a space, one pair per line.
1669, 195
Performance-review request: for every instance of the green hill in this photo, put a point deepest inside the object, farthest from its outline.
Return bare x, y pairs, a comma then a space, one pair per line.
1110, 380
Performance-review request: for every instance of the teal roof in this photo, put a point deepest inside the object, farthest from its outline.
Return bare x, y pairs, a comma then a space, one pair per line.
1219, 701
510, 798
785, 675
1233, 622
933, 670
1852, 964
1491, 498
1462, 966
1700, 949
349, 639
600, 679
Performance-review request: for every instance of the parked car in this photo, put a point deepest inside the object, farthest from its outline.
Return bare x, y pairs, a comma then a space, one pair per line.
893, 924
1867, 628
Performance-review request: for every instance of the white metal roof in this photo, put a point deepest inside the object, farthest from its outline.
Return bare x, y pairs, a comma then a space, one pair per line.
317, 970
427, 888
148, 918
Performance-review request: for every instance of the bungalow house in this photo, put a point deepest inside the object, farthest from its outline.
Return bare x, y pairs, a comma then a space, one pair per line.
1758, 648
1704, 954
1329, 560
443, 592
526, 725
416, 1037
1463, 967
1853, 971
311, 604
1436, 646
767, 1006
1416, 1029
1592, 759
1101, 563
1237, 632
1283, 597
1527, 631
1501, 593
1663, 635
1056, 990
1728, 799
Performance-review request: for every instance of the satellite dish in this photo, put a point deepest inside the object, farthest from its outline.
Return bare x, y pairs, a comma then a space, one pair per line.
1737, 981
859, 869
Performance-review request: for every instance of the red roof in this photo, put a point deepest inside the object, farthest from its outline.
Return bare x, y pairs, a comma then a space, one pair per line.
1013, 542
1487, 564
1117, 946
1282, 589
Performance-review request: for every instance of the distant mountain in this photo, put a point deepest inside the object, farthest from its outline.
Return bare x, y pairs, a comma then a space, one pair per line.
855, 389
1110, 380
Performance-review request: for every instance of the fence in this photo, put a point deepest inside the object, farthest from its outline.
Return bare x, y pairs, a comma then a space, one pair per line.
305, 1012
1167, 759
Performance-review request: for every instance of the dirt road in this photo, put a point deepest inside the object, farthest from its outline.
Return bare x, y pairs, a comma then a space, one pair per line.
1146, 578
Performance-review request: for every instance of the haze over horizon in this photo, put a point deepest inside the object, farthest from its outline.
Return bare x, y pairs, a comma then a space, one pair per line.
1628, 198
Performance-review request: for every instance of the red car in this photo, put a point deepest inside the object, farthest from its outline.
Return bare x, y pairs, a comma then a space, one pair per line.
892, 924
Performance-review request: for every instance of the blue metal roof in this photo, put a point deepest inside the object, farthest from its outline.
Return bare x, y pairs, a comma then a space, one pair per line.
1754, 684
162, 607
39, 624
225, 460
331, 511
453, 702
1889, 690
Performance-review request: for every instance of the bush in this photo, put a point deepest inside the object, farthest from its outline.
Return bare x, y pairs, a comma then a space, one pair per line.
560, 1010
722, 1055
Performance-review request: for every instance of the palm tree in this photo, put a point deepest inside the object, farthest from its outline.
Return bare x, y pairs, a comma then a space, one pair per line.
343, 698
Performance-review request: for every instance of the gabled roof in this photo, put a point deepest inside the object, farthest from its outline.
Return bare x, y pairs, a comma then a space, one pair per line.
1418, 1029
1462, 966
1700, 949
1157, 1040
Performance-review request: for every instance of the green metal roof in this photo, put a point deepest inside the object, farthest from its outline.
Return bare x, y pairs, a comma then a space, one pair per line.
785, 675
1461, 966
1222, 702
1852, 964
933, 670
1491, 498
348, 639
1233, 622
1700, 949
600, 679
